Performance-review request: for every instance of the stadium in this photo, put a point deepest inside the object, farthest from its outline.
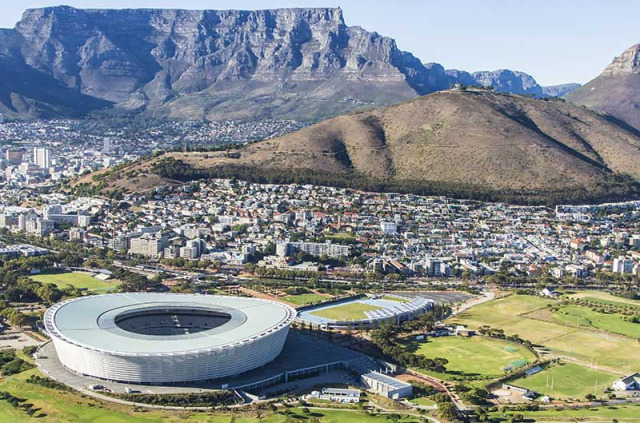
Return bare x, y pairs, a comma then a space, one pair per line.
365, 312
150, 338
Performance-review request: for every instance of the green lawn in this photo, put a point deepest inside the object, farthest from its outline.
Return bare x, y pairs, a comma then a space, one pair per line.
476, 356
568, 380
573, 315
350, 311
304, 299
65, 407
515, 314
423, 401
77, 279
622, 413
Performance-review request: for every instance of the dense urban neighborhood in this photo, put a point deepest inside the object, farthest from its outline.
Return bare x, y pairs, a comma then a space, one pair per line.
394, 284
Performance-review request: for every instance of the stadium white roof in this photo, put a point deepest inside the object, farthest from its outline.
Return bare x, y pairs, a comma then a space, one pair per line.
90, 322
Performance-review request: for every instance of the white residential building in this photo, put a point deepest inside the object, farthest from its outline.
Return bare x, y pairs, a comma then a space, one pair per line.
41, 157
622, 265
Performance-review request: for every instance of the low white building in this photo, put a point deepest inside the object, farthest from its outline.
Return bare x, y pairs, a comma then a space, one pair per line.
344, 396
386, 386
628, 383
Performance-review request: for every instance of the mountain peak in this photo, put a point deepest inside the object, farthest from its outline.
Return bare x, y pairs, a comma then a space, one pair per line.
627, 62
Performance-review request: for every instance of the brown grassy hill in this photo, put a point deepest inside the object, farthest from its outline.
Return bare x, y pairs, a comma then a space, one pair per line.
451, 142
616, 95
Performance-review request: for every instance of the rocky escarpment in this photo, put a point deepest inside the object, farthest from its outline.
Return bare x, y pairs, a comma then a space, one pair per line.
288, 63
616, 91
199, 64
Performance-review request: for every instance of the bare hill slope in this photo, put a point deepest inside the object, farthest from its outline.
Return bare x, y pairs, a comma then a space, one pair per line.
471, 143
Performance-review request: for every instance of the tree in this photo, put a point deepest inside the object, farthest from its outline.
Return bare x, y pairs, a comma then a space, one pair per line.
447, 411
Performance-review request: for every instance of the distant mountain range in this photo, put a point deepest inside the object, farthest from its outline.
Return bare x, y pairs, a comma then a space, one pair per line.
304, 64
462, 142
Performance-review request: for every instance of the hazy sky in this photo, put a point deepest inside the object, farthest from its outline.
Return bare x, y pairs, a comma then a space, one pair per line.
556, 41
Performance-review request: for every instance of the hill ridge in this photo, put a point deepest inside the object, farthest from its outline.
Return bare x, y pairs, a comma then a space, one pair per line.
472, 143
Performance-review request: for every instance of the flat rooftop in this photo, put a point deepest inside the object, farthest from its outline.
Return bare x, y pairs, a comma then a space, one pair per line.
92, 322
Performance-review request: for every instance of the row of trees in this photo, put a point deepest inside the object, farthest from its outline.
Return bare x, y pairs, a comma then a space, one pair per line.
195, 399
499, 334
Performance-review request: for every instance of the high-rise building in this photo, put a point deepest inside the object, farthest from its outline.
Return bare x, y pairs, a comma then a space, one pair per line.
622, 265
41, 157
106, 145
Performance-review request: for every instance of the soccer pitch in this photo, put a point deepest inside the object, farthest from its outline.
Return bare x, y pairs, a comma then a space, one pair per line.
350, 311
526, 316
79, 280
568, 380
476, 356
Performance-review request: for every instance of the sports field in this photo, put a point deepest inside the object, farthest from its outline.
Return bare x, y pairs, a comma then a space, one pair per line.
621, 413
568, 380
349, 311
510, 313
477, 356
77, 279
304, 299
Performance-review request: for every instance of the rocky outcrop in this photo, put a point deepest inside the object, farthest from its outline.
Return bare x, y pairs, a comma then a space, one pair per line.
627, 63
177, 60
288, 63
505, 80
616, 91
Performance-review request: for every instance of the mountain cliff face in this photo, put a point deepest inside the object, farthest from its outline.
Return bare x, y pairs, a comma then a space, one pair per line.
211, 64
616, 91
289, 63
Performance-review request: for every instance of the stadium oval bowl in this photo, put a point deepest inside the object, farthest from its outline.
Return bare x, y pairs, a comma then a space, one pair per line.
153, 338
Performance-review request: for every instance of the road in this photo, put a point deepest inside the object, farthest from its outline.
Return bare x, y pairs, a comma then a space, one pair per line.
486, 297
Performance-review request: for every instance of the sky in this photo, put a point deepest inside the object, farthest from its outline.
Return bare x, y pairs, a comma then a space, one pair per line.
556, 41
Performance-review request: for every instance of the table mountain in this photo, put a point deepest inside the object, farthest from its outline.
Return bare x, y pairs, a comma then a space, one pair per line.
303, 64
212, 64
616, 91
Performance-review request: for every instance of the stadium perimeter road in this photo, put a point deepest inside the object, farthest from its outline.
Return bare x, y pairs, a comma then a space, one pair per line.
301, 351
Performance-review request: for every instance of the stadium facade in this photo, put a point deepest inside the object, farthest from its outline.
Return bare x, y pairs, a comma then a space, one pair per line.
150, 338
393, 313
